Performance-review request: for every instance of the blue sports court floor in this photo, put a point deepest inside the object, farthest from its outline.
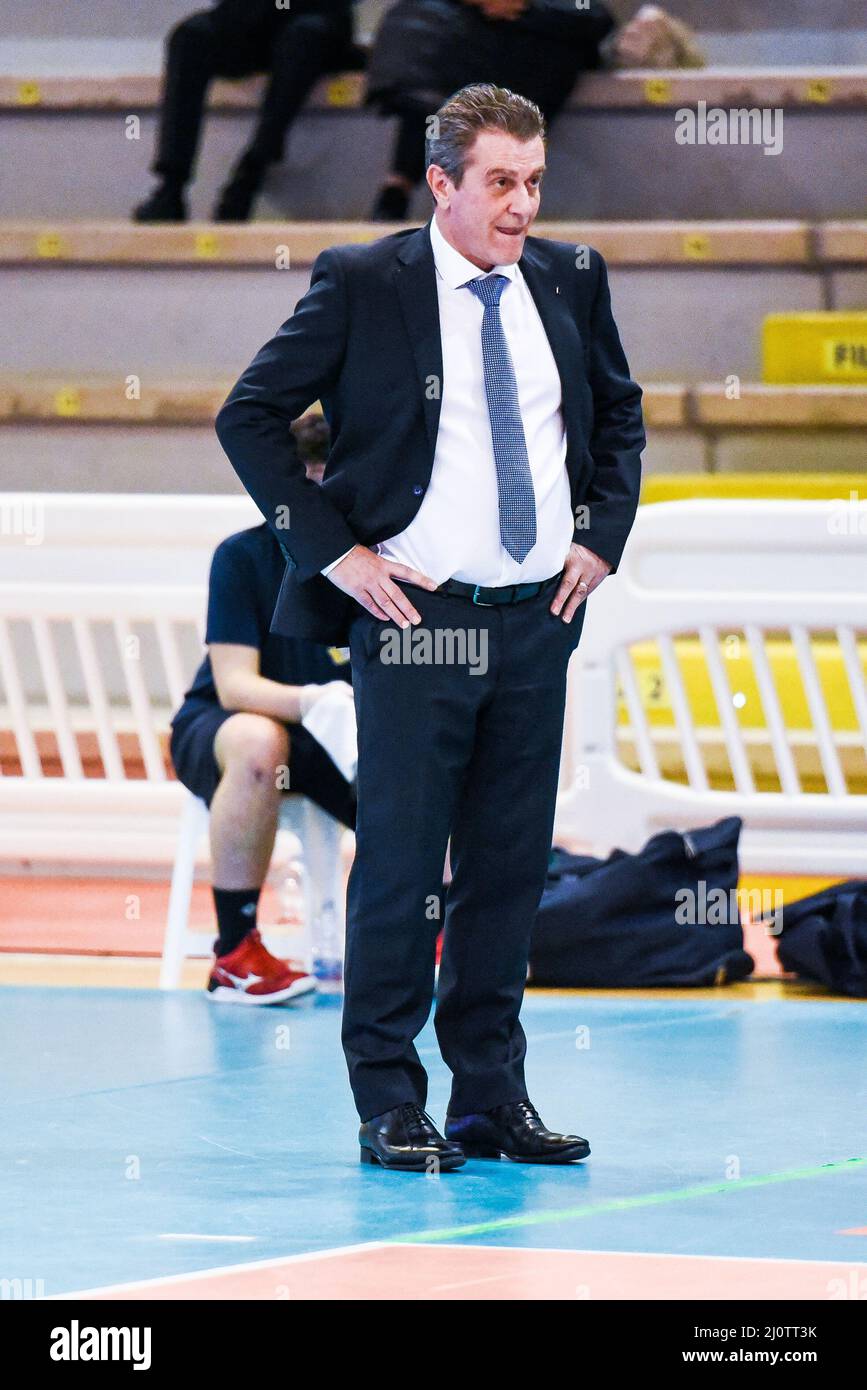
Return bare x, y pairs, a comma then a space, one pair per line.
148, 1136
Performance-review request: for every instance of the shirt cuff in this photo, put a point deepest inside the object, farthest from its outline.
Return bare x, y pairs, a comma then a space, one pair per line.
329, 568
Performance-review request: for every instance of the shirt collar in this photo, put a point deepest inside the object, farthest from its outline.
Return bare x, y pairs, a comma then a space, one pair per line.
454, 268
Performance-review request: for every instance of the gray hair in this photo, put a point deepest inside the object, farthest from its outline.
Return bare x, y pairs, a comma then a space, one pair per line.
452, 130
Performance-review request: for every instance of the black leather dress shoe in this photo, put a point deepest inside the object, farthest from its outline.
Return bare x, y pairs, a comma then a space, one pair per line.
235, 203
516, 1131
165, 204
406, 1138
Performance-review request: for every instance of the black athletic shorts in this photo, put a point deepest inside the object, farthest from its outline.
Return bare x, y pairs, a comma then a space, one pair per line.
311, 771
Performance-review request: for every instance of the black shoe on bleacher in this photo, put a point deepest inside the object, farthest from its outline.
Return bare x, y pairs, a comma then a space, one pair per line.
165, 204
392, 205
237, 197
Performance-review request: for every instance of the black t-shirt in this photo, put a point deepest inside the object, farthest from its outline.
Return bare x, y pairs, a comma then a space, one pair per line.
246, 574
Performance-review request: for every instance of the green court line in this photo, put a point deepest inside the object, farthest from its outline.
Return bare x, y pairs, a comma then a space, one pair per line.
648, 1199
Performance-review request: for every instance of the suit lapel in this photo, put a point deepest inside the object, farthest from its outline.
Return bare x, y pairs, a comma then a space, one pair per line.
415, 281
561, 330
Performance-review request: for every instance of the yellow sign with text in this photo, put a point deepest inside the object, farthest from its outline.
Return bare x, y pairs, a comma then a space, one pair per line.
815, 349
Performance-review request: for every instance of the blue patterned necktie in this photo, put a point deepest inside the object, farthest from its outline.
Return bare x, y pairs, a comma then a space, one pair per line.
514, 480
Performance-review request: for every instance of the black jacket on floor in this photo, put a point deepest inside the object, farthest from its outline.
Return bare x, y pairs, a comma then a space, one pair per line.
824, 937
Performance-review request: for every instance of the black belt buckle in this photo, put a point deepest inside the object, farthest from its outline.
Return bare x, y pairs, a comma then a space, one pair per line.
477, 600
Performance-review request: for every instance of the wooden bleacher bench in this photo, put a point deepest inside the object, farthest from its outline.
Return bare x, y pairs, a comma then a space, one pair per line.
56, 242
33, 399
791, 88
841, 242
101, 400
781, 407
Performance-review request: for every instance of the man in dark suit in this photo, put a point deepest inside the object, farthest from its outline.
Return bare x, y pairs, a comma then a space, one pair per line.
482, 481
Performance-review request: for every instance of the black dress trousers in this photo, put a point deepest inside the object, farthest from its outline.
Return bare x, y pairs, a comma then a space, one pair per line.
296, 47
468, 747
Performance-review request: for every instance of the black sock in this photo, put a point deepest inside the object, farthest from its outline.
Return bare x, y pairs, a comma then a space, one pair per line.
236, 915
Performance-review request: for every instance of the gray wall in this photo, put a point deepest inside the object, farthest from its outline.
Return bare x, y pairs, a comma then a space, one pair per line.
603, 166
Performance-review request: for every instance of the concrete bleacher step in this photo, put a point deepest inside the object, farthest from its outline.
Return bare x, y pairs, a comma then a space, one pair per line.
613, 153
88, 433
690, 297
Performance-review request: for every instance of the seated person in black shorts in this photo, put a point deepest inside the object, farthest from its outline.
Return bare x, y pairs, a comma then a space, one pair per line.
238, 727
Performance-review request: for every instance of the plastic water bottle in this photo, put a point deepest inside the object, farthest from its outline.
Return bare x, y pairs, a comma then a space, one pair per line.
328, 949
290, 937
292, 894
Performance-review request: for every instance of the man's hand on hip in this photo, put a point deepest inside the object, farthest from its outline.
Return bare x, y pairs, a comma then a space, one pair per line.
582, 573
367, 577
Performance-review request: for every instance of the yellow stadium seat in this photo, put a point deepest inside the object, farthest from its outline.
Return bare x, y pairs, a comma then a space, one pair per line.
679, 487
746, 700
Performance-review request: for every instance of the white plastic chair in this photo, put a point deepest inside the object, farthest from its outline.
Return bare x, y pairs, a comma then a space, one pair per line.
718, 568
320, 835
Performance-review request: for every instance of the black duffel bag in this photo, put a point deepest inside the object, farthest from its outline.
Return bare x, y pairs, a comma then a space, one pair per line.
664, 916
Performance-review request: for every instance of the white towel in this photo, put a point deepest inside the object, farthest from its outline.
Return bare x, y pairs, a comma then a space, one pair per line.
331, 721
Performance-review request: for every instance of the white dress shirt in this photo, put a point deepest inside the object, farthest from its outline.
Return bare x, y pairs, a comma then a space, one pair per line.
455, 534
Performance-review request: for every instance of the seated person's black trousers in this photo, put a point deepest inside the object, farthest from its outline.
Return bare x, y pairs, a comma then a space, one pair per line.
295, 55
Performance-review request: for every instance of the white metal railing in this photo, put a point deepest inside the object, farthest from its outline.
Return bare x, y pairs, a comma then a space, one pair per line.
796, 569
123, 636
95, 642
115, 818
80, 651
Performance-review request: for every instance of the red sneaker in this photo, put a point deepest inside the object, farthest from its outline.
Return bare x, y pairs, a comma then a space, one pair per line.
251, 975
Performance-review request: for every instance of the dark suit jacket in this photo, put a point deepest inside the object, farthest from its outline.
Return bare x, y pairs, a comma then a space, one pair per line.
365, 341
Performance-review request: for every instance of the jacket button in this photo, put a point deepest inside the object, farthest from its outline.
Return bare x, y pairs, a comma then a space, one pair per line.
418, 490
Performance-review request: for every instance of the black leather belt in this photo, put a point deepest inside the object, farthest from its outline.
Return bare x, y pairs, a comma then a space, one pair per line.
489, 597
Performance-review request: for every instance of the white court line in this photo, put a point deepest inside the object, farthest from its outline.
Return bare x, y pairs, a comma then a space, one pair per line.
194, 1235
435, 1245
222, 1269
